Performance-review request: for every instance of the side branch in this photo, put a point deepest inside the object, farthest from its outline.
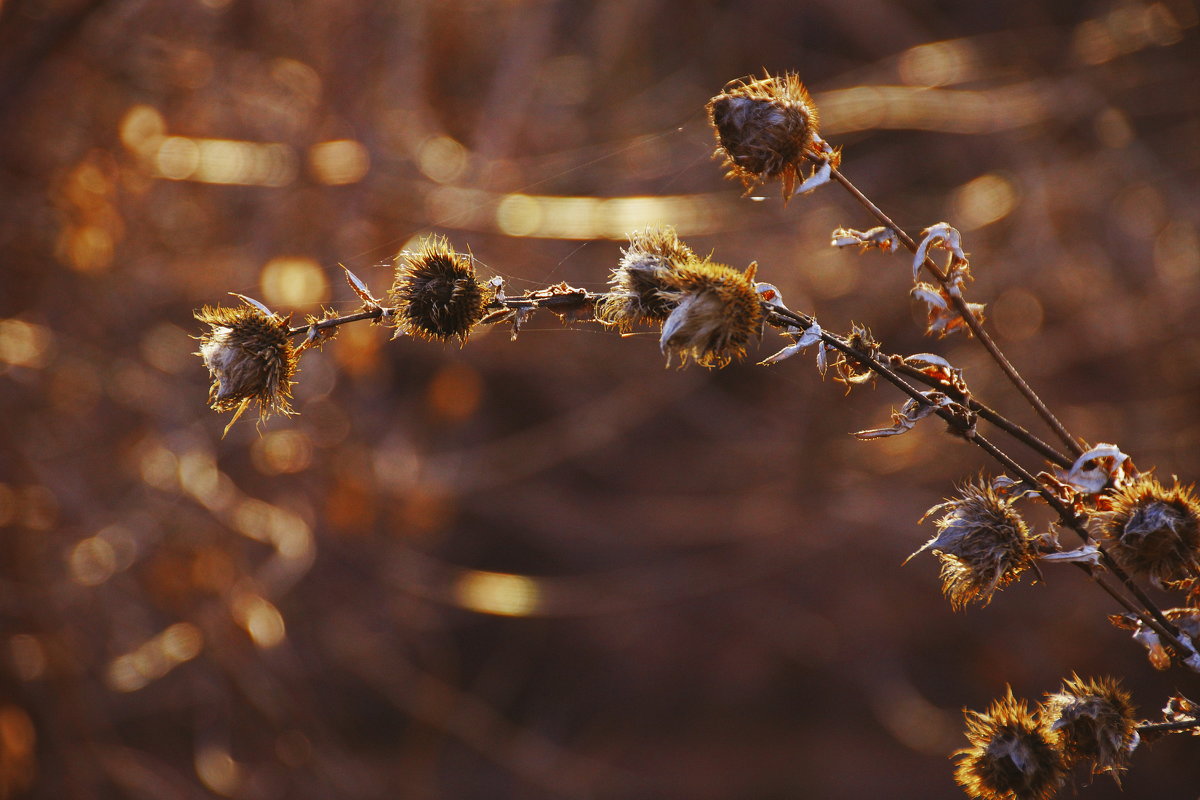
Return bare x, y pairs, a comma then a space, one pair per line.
965, 312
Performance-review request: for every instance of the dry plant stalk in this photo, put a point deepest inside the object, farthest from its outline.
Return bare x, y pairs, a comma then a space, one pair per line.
1130, 526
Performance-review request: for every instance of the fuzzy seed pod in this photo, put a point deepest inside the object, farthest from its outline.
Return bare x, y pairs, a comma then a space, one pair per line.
716, 312
983, 545
251, 360
647, 269
1153, 530
1011, 756
435, 292
1094, 721
764, 127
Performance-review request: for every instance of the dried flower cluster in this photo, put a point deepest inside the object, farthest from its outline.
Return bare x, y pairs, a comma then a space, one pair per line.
708, 313
1094, 722
1011, 755
436, 294
250, 358
647, 271
1154, 531
1019, 754
982, 542
764, 129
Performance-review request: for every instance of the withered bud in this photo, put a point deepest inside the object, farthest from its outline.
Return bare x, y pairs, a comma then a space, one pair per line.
982, 542
251, 360
1153, 530
647, 269
435, 292
1011, 756
717, 310
1094, 721
764, 127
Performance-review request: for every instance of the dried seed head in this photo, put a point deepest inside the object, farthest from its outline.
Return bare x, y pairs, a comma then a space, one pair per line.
1094, 721
983, 545
435, 292
764, 127
251, 360
717, 311
647, 269
1153, 530
1011, 757
848, 369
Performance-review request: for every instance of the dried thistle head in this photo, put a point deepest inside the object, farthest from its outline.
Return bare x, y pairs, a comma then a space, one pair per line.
250, 358
1011, 756
1153, 530
716, 311
647, 269
764, 127
1094, 721
982, 542
435, 292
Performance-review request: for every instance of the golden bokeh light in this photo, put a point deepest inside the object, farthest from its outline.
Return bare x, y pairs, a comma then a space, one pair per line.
566, 217
142, 130
938, 63
259, 618
339, 162
290, 535
497, 593
24, 344
982, 201
217, 769
224, 161
442, 159
282, 452
293, 282
177, 158
154, 658
92, 561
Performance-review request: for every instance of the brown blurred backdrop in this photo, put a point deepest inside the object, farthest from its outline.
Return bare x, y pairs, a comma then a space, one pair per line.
550, 568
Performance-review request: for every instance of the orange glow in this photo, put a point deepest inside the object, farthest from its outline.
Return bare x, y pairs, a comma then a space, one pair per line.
454, 393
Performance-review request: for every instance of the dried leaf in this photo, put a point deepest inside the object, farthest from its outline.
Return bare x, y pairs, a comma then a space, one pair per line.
943, 315
943, 236
1088, 554
360, 289
251, 301
881, 237
907, 417
808, 338
1102, 467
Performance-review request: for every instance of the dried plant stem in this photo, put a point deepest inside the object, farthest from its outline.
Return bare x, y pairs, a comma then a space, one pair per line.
375, 313
990, 414
1168, 727
967, 315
